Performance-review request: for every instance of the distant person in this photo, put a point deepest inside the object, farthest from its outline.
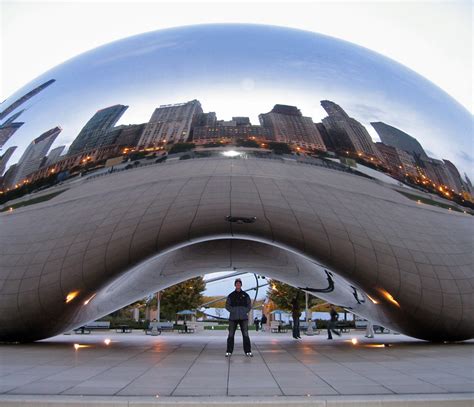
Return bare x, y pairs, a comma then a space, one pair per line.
263, 322
238, 304
332, 323
256, 322
296, 313
369, 330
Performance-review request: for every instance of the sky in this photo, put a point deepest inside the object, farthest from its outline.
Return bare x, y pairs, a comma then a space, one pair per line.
434, 38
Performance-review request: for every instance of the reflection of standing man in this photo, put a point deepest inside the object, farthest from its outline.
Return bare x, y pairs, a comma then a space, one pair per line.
332, 323
369, 330
238, 304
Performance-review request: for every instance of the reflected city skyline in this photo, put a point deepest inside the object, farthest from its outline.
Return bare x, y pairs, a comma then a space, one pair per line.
216, 64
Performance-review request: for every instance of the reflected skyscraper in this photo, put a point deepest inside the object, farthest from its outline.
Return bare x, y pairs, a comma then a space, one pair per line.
5, 157
7, 130
25, 98
34, 154
171, 123
92, 134
396, 138
288, 125
357, 137
54, 155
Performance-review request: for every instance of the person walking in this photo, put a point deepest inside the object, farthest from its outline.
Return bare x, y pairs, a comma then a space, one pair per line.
369, 331
263, 322
238, 304
332, 323
296, 314
256, 322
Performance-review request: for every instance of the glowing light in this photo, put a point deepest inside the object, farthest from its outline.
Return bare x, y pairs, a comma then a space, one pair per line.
71, 296
230, 153
389, 297
10, 209
374, 345
373, 300
354, 341
107, 341
77, 346
89, 299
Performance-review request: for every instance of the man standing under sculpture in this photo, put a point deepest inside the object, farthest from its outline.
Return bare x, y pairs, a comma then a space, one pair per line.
238, 304
332, 323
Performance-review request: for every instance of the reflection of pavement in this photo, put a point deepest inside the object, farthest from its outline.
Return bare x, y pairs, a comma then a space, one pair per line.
194, 365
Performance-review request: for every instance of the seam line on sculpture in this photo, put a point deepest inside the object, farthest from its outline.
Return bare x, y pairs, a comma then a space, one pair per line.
263, 208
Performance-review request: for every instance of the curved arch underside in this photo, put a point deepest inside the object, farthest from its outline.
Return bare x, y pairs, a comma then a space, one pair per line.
115, 238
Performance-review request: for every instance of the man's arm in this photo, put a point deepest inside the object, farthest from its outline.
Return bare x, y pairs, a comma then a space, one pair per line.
228, 306
249, 303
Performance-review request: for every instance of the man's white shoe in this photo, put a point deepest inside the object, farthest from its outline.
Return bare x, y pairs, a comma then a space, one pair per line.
249, 354
228, 354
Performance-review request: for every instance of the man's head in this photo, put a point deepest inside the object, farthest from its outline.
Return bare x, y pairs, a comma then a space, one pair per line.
238, 284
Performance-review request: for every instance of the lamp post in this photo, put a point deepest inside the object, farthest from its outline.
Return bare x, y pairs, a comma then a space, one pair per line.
158, 305
309, 330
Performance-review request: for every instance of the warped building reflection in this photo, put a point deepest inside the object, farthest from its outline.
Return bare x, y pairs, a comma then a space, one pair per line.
138, 203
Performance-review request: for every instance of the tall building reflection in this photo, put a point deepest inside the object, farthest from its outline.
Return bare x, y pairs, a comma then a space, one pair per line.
288, 124
170, 123
34, 154
25, 98
91, 135
397, 138
5, 157
351, 134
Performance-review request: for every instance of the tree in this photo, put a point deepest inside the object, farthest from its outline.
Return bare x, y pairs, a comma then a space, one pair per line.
182, 296
181, 147
247, 143
279, 148
291, 299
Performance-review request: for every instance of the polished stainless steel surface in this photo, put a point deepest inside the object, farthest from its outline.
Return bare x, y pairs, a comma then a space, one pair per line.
107, 239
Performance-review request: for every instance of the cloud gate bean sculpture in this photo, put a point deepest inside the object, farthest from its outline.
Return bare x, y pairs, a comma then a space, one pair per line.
192, 150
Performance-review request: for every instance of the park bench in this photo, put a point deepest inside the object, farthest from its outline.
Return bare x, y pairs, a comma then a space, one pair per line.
153, 329
277, 327
123, 329
343, 326
187, 329
90, 326
166, 326
304, 327
379, 329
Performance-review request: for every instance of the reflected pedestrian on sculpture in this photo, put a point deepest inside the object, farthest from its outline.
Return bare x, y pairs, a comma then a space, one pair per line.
263, 322
256, 322
238, 304
332, 322
296, 314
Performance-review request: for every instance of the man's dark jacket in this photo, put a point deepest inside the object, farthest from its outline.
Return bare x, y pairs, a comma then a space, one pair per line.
238, 304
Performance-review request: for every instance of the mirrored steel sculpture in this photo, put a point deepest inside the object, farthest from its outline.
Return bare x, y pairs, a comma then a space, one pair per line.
186, 151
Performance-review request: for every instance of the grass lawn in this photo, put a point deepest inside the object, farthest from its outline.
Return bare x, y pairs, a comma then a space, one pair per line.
33, 201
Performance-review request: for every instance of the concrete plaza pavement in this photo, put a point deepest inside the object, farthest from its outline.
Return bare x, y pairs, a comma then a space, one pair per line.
193, 367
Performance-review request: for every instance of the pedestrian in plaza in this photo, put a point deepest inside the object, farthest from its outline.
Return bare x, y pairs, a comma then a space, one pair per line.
256, 322
369, 330
332, 323
296, 314
263, 322
238, 304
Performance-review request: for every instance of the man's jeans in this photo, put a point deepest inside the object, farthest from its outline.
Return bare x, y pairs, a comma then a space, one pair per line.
332, 327
244, 327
